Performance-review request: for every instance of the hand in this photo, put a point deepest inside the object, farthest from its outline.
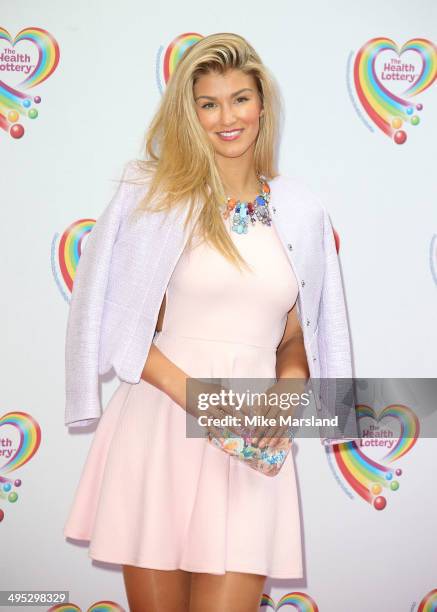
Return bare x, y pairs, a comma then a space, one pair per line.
277, 436
195, 388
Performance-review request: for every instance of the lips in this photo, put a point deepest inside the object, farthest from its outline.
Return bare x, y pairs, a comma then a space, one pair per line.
230, 134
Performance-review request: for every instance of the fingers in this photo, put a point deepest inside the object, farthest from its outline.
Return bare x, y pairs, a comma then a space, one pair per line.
222, 422
277, 431
215, 432
264, 431
274, 435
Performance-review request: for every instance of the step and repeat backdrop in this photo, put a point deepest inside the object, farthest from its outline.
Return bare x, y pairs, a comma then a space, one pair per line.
79, 83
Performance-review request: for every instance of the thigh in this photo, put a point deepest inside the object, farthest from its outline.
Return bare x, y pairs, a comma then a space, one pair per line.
156, 590
233, 592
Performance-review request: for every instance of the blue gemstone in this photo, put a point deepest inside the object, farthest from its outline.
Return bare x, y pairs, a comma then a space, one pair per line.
260, 200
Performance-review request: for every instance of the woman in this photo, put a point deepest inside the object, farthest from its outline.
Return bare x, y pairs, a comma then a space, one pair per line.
194, 528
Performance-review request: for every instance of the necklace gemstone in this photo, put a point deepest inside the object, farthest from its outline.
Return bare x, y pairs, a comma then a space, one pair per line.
258, 210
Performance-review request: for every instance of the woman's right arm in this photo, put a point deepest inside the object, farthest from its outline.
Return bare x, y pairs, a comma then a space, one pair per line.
165, 375
162, 372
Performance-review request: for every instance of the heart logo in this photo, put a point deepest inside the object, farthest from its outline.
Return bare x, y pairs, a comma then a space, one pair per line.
380, 75
65, 254
167, 60
365, 475
98, 606
15, 103
429, 602
29, 440
300, 601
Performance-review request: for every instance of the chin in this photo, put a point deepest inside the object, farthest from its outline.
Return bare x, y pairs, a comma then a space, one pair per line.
236, 151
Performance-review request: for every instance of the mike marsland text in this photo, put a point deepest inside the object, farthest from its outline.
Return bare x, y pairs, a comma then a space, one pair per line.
231, 420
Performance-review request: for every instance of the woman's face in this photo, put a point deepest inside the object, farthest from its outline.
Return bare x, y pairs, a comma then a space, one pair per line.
228, 107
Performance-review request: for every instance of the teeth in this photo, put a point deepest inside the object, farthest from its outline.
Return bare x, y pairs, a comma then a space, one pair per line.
230, 133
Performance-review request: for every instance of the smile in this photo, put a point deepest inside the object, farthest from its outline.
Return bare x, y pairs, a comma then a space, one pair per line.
230, 135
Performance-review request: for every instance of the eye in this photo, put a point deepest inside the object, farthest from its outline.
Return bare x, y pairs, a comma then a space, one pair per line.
208, 104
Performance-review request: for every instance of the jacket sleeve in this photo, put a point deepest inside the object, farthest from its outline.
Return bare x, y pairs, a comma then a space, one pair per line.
333, 321
82, 340
337, 390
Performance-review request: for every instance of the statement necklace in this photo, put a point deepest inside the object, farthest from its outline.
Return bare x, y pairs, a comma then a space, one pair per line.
256, 210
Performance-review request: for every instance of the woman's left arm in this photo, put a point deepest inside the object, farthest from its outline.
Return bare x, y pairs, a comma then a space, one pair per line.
291, 360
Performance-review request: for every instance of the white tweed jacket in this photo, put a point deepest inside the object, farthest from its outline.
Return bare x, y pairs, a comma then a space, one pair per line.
123, 273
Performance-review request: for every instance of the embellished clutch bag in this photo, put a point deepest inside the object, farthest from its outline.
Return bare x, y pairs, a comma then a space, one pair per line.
267, 460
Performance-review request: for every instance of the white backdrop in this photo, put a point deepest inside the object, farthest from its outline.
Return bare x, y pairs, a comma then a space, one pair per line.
381, 196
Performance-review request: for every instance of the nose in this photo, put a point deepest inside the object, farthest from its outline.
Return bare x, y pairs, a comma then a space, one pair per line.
227, 115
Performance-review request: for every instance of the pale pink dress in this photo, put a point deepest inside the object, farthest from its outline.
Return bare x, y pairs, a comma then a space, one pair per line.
151, 497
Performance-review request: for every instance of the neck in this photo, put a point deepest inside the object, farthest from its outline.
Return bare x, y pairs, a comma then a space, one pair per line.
239, 178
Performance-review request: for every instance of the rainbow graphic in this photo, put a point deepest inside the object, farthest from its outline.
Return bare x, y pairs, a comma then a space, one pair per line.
15, 103
66, 252
105, 606
366, 476
300, 601
387, 110
429, 602
65, 608
99, 606
29, 442
167, 61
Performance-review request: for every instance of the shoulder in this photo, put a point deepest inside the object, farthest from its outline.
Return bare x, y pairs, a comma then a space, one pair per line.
296, 197
296, 186
134, 173
133, 184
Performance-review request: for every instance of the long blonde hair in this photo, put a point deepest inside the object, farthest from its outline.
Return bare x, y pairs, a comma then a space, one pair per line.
179, 164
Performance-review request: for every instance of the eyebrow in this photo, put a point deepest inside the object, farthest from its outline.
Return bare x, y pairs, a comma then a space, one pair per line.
232, 95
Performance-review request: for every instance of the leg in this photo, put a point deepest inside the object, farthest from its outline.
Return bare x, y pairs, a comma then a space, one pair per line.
231, 592
151, 590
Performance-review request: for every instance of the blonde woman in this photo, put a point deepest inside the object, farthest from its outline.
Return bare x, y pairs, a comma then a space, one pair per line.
169, 288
